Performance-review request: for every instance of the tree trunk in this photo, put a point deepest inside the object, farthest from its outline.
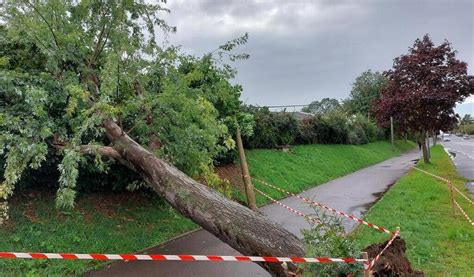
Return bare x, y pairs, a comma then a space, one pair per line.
243, 229
426, 156
434, 137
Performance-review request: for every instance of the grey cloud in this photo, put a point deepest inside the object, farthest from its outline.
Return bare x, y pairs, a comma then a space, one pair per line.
306, 50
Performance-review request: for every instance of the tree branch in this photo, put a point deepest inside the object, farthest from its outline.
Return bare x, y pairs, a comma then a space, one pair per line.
47, 23
92, 150
102, 150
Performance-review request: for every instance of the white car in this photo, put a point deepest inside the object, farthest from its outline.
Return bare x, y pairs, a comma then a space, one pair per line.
466, 137
446, 139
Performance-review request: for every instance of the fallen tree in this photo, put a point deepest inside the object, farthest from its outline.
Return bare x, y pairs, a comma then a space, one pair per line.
245, 230
80, 77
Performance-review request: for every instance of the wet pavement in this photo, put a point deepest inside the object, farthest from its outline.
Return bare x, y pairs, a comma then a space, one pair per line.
464, 155
354, 193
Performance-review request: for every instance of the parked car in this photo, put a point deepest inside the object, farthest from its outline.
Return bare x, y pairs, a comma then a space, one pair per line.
466, 137
446, 139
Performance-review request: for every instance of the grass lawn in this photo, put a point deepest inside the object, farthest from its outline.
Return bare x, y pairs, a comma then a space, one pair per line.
112, 223
309, 165
437, 243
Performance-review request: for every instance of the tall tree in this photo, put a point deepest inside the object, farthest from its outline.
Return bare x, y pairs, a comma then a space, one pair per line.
365, 90
424, 87
320, 107
105, 88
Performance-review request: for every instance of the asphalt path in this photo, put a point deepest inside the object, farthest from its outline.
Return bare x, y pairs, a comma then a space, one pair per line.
354, 193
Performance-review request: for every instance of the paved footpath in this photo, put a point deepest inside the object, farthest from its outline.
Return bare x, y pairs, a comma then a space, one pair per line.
353, 193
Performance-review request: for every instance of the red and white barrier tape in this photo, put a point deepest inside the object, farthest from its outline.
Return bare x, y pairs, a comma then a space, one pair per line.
431, 174
314, 220
447, 181
379, 228
372, 262
186, 258
462, 194
464, 213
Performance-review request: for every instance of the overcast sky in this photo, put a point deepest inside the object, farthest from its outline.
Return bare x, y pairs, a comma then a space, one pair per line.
304, 50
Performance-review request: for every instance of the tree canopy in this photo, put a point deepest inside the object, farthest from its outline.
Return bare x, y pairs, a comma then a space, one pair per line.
323, 106
365, 90
423, 89
66, 66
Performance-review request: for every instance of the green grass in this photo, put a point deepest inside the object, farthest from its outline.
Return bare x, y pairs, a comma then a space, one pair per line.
309, 165
437, 243
99, 224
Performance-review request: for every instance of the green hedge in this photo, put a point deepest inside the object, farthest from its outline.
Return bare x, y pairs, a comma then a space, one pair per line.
276, 129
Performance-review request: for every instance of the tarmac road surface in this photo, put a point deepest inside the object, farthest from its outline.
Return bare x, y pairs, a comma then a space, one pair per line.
464, 155
354, 193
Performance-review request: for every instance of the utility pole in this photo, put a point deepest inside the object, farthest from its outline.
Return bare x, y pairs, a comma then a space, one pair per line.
391, 133
245, 173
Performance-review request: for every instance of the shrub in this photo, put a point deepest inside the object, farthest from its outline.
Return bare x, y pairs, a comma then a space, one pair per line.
336, 124
270, 129
328, 239
325, 129
286, 127
307, 131
265, 131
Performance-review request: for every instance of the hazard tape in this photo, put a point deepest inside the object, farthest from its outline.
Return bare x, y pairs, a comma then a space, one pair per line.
379, 228
464, 213
431, 174
185, 258
372, 262
447, 181
314, 220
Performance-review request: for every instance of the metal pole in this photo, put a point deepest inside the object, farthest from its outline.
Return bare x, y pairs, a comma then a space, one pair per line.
391, 132
245, 174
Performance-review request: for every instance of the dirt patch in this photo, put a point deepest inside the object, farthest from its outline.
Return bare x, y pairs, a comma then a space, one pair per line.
232, 173
393, 262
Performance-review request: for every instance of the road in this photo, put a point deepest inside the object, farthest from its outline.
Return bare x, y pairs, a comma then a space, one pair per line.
464, 155
354, 193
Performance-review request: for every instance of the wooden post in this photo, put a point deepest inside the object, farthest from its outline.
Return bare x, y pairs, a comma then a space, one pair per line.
367, 273
391, 133
245, 174
452, 199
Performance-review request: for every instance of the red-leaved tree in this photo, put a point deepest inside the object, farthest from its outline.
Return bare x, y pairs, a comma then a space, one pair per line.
424, 87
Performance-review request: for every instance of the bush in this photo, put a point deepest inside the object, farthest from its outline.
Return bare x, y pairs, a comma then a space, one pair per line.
333, 127
328, 239
307, 131
265, 131
325, 129
286, 127
271, 129
338, 129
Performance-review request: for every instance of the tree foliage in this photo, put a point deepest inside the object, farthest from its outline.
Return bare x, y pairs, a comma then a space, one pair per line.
424, 87
270, 129
365, 90
66, 66
323, 106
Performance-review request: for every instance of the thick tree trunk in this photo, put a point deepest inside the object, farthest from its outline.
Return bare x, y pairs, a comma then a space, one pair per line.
243, 229
425, 145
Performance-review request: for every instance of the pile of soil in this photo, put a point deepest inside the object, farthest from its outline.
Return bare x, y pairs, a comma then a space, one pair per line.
393, 262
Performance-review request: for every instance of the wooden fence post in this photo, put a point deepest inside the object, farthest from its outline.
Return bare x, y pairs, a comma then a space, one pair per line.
452, 198
367, 272
245, 174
